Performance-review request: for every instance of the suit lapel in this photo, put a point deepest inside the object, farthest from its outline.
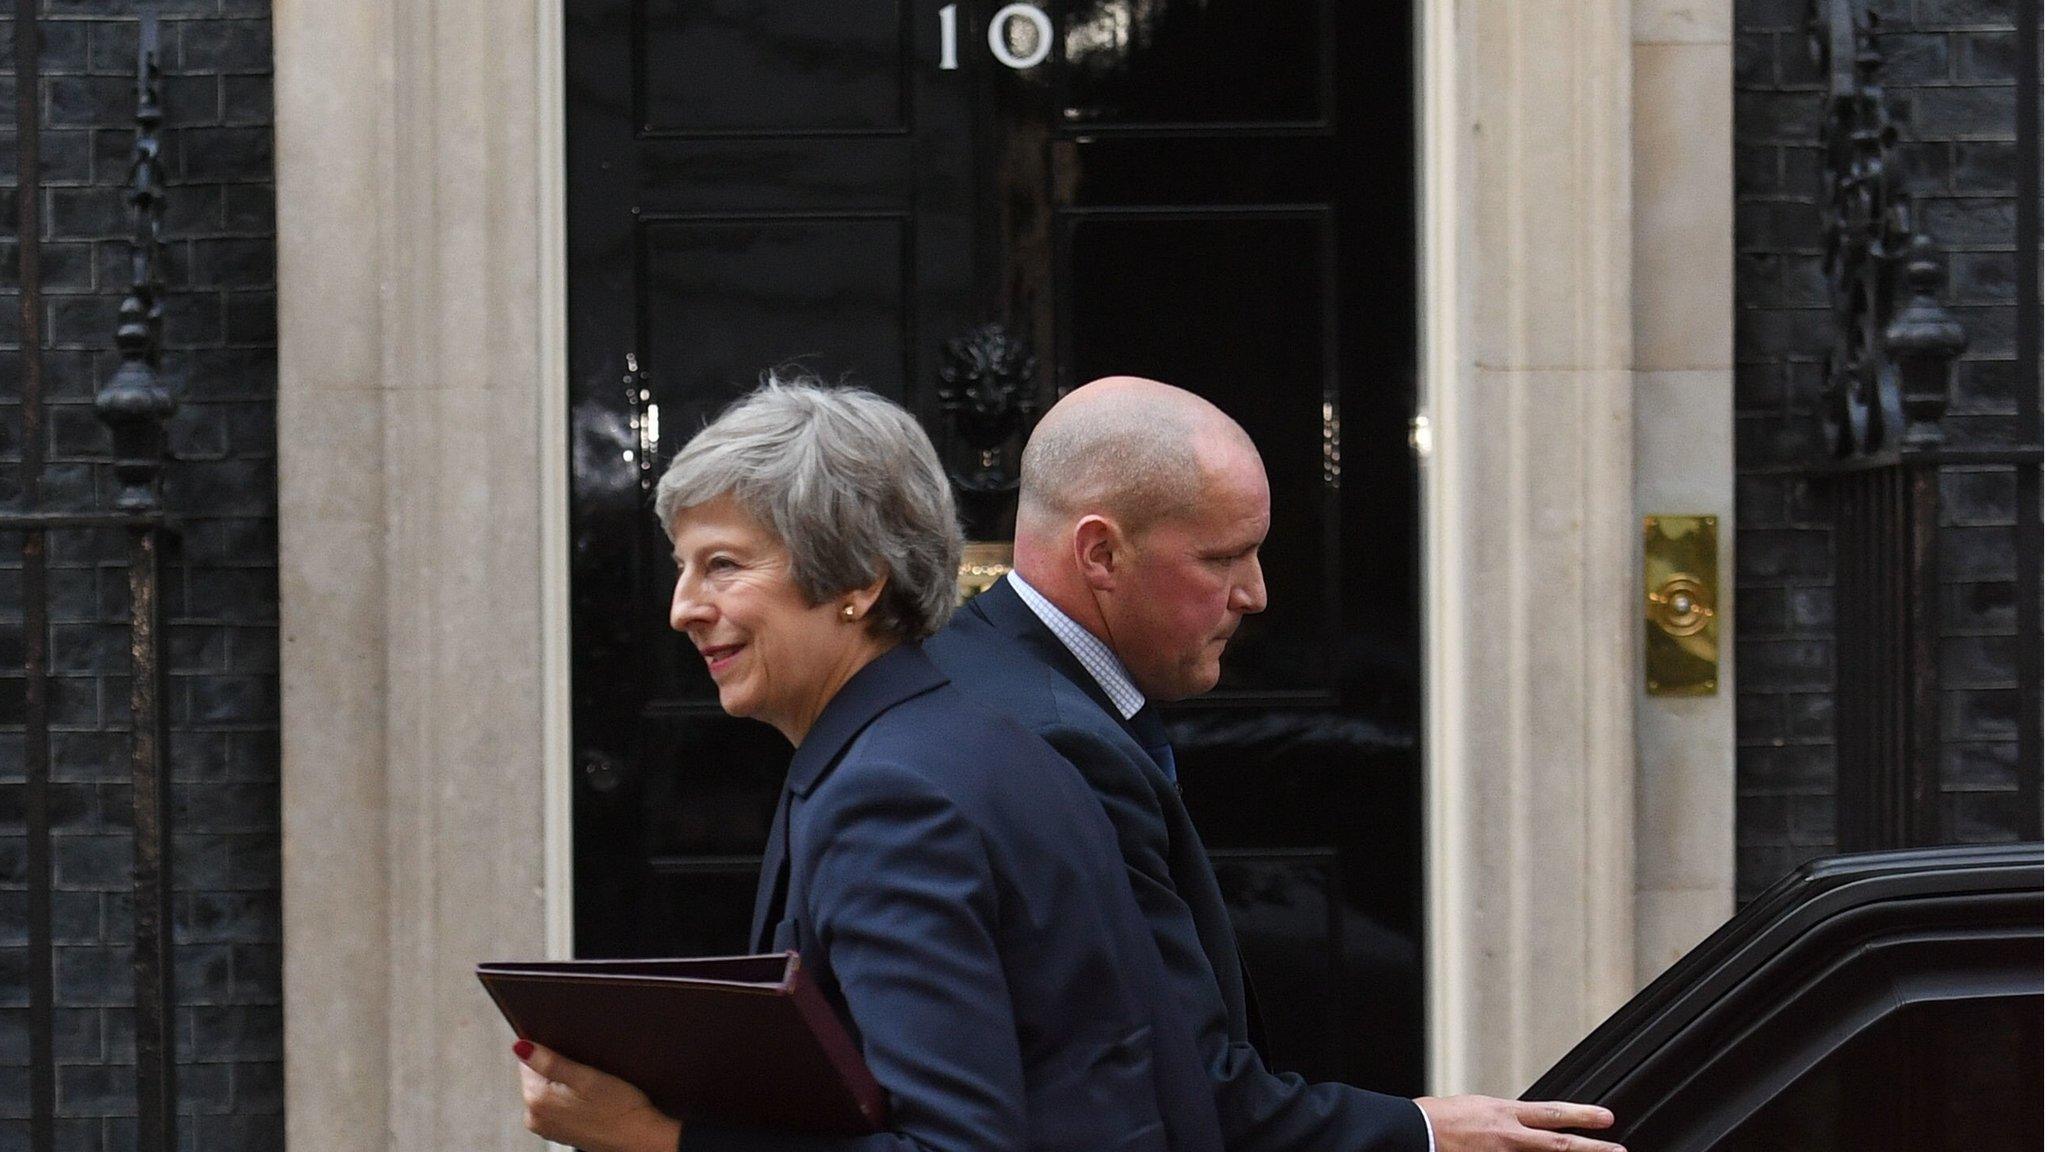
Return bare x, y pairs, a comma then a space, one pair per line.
774, 881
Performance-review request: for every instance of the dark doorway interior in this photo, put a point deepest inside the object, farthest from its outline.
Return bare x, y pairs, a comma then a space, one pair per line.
1218, 194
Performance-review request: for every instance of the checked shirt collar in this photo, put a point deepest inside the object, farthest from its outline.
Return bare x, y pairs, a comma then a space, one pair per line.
1093, 654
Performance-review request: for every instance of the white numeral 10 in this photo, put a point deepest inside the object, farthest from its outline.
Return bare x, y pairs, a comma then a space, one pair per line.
998, 39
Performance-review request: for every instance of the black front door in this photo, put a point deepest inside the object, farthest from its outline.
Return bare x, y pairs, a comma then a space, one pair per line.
1216, 193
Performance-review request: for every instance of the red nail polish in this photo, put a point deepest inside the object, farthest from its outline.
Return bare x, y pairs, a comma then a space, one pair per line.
522, 1048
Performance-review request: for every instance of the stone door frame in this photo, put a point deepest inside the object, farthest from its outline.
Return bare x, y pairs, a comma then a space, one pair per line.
1575, 176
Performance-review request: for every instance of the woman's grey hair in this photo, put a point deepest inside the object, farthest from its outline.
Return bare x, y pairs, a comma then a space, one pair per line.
850, 484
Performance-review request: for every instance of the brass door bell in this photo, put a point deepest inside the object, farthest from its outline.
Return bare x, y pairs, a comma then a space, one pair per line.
1681, 575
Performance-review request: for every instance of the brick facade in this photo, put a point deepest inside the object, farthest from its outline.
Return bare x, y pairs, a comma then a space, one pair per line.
220, 591
1950, 69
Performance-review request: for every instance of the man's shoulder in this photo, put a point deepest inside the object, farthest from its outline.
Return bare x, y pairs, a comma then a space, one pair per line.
993, 666
947, 749
929, 733
1004, 672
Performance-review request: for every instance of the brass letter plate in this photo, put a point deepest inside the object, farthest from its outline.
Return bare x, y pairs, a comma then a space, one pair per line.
982, 563
1681, 603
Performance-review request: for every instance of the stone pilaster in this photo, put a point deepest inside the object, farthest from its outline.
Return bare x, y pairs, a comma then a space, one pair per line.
1530, 527
418, 481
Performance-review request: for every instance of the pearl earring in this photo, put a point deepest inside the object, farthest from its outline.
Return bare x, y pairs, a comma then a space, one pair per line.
848, 613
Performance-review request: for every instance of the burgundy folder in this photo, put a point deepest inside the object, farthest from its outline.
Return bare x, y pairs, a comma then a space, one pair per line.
738, 1039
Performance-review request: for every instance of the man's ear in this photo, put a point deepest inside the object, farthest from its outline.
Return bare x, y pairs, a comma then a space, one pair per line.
1098, 551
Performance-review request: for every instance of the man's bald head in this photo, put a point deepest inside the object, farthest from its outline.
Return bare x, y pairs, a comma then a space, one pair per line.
1131, 449
1142, 513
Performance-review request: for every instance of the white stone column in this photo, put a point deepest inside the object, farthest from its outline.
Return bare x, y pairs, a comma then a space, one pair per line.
421, 561
1685, 451
1529, 530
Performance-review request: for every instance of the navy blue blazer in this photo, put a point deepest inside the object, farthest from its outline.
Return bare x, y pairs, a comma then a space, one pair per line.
957, 892
999, 652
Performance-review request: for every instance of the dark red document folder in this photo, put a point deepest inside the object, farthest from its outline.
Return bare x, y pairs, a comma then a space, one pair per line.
737, 1039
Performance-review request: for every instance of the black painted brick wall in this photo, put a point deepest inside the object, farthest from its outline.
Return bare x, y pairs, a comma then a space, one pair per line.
1950, 69
220, 589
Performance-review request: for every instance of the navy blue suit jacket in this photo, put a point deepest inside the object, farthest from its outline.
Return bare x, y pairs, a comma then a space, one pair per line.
957, 892
999, 652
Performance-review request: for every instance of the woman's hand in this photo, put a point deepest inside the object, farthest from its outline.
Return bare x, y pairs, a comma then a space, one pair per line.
575, 1104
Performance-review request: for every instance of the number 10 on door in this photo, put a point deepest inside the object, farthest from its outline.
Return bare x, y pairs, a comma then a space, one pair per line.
1024, 52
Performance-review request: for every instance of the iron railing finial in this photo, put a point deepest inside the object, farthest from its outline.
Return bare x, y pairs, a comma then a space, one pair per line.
134, 402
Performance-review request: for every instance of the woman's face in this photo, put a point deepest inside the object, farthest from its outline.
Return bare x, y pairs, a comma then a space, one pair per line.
774, 657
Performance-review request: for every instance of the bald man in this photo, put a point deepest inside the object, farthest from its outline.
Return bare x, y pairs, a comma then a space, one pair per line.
1139, 523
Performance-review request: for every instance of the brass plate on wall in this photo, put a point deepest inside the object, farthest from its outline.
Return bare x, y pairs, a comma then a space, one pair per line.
1681, 605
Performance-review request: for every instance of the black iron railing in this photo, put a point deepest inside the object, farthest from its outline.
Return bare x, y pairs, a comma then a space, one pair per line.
1881, 450
135, 405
